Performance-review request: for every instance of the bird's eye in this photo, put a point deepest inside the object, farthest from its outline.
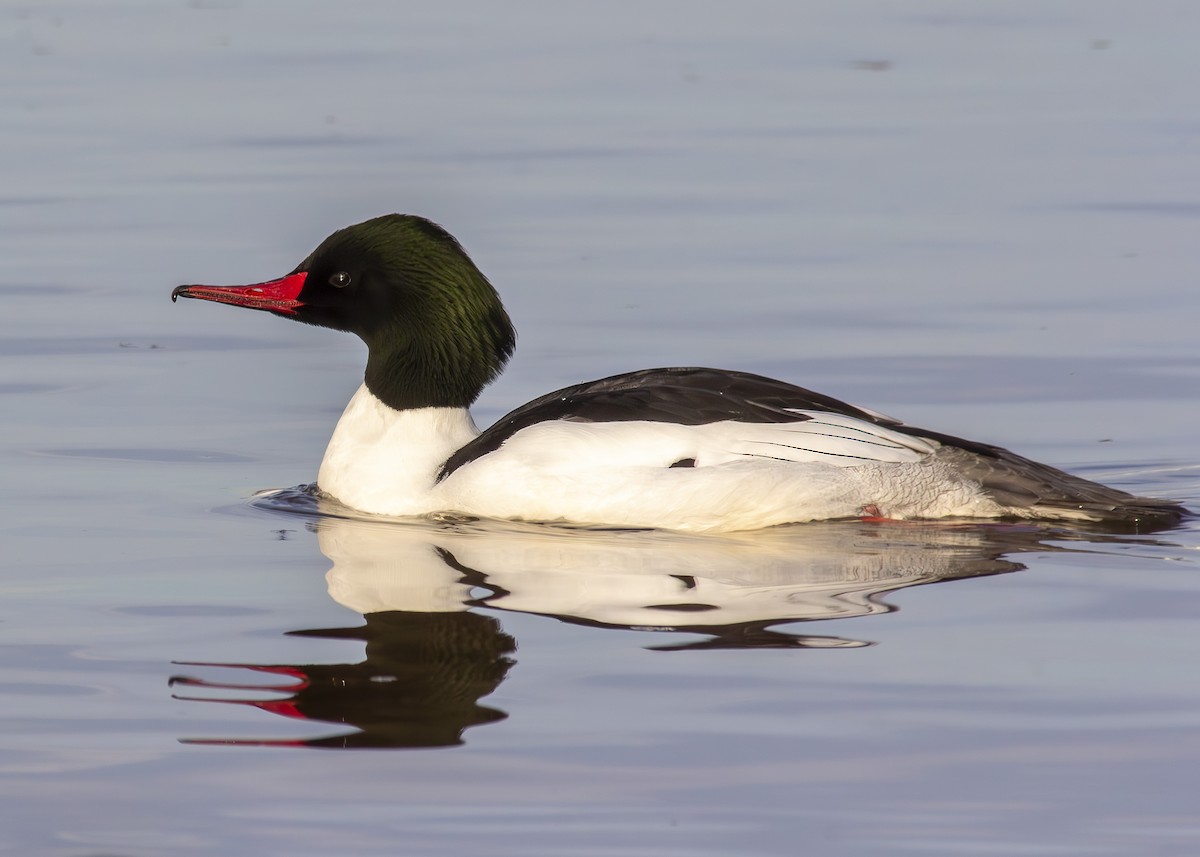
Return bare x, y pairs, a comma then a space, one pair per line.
339, 280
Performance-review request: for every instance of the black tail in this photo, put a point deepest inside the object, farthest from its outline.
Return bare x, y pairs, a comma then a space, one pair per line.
1034, 490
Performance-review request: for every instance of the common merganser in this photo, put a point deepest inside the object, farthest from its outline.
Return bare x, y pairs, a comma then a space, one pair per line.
677, 448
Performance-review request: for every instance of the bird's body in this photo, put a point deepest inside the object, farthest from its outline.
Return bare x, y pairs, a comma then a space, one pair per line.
678, 448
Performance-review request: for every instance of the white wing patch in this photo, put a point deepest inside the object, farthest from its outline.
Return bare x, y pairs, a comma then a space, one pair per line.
879, 415
827, 438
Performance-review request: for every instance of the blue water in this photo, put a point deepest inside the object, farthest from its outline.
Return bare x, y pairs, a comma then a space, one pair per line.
975, 217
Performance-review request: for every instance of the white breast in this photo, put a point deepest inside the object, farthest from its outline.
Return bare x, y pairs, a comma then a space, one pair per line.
385, 461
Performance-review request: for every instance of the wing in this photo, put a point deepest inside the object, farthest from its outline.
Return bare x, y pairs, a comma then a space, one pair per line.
684, 396
744, 415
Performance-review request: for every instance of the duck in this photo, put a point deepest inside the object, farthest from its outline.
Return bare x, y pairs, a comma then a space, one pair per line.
677, 448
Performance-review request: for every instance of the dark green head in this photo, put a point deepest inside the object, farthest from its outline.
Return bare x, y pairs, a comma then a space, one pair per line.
435, 327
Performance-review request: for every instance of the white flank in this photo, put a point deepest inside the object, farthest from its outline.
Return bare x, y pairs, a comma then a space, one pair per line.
745, 475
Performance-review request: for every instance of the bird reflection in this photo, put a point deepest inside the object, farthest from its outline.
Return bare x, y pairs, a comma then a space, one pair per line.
431, 593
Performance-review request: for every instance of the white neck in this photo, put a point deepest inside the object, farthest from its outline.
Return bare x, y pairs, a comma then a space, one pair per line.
385, 461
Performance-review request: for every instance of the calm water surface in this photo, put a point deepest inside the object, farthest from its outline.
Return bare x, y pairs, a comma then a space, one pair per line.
979, 217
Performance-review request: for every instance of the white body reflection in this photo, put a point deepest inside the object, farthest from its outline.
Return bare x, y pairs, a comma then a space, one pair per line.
652, 579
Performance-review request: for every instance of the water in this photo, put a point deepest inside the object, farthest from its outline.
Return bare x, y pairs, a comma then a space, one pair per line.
977, 218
